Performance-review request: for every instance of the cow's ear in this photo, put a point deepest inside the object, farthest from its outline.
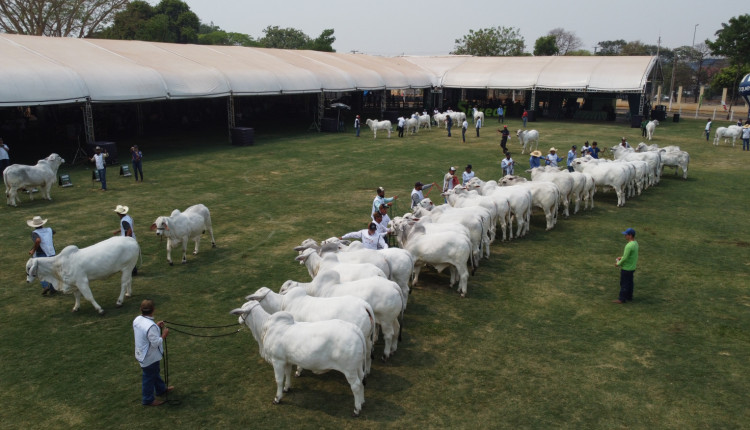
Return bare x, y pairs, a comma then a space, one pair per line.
153, 227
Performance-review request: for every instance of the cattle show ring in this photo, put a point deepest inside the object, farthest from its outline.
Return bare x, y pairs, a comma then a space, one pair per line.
491, 306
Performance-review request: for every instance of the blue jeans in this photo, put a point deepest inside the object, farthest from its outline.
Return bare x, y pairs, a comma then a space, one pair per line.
463, 134
449, 130
103, 177
626, 285
45, 284
524, 121
138, 168
357, 131
746, 144
707, 133
150, 382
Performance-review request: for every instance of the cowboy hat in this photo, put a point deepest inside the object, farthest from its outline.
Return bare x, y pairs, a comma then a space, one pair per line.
536, 153
122, 210
552, 149
35, 222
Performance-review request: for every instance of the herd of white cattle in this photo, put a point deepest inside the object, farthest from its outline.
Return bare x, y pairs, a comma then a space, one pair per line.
355, 294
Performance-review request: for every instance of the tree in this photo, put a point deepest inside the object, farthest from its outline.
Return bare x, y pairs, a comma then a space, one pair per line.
733, 42
169, 21
610, 47
284, 38
62, 18
566, 41
546, 45
696, 56
324, 42
490, 42
727, 78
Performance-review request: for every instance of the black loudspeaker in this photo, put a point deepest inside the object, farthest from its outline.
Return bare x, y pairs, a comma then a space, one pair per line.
243, 136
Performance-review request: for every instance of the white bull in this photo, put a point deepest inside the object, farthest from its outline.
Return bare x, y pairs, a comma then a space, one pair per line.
478, 115
181, 227
379, 125
319, 346
42, 175
74, 268
725, 133
424, 121
527, 138
650, 127
412, 125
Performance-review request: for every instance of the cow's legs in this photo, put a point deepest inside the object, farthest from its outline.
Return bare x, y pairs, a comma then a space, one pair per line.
169, 251
125, 284
86, 292
197, 241
184, 251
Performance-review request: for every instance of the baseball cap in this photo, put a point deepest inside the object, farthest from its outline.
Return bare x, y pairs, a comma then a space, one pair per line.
417, 184
629, 231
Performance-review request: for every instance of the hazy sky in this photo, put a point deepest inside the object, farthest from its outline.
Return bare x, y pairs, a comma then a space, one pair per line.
430, 27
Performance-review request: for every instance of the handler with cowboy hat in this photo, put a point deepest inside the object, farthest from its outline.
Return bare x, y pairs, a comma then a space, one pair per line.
43, 246
127, 228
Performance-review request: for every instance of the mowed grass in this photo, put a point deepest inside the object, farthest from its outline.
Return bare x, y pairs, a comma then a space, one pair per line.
537, 343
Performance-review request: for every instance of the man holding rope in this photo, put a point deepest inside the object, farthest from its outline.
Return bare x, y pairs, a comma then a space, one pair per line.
149, 340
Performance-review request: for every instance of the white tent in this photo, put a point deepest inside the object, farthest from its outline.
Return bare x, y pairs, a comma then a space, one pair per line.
53, 70
617, 74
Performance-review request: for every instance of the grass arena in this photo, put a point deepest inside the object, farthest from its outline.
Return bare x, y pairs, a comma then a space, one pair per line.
536, 343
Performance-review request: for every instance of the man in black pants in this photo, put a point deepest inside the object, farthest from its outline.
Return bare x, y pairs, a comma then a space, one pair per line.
504, 141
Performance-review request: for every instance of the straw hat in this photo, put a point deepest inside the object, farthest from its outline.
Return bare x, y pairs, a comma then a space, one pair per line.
36, 222
536, 153
553, 149
122, 210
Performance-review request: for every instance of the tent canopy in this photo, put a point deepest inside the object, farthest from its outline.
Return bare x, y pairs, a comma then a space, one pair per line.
55, 70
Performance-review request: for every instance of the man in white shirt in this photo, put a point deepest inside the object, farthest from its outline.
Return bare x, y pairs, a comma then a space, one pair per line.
382, 219
478, 125
401, 121
467, 175
4, 157
370, 237
101, 165
149, 339
464, 127
507, 164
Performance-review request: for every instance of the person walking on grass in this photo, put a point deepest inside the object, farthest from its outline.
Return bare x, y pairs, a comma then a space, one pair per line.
127, 228
464, 127
149, 349
627, 264
478, 125
137, 157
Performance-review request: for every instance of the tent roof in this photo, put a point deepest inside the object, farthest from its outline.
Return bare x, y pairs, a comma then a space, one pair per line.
563, 73
54, 70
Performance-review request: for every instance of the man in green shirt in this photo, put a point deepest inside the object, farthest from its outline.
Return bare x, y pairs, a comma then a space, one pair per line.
627, 264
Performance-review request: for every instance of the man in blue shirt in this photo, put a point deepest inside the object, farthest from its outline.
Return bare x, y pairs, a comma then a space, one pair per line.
594, 150
535, 160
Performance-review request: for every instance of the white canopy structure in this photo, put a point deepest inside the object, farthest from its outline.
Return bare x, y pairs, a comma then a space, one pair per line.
49, 70
616, 74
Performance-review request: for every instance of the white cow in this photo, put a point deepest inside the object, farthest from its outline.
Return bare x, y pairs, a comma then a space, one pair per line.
74, 268
520, 201
458, 118
545, 195
412, 125
181, 227
318, 346
424, 121
476, 219
564, 182
379, 125
439, 118
478, 115
383, 295
42, 175
615, 175
439, 250
650, 127
725, 133
527, 138
306, 308
676, 159
347, 271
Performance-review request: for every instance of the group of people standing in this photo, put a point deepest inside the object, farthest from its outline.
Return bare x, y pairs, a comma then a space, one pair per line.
552, 159
100, 161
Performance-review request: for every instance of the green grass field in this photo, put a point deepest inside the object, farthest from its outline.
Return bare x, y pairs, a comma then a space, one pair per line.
537, 343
